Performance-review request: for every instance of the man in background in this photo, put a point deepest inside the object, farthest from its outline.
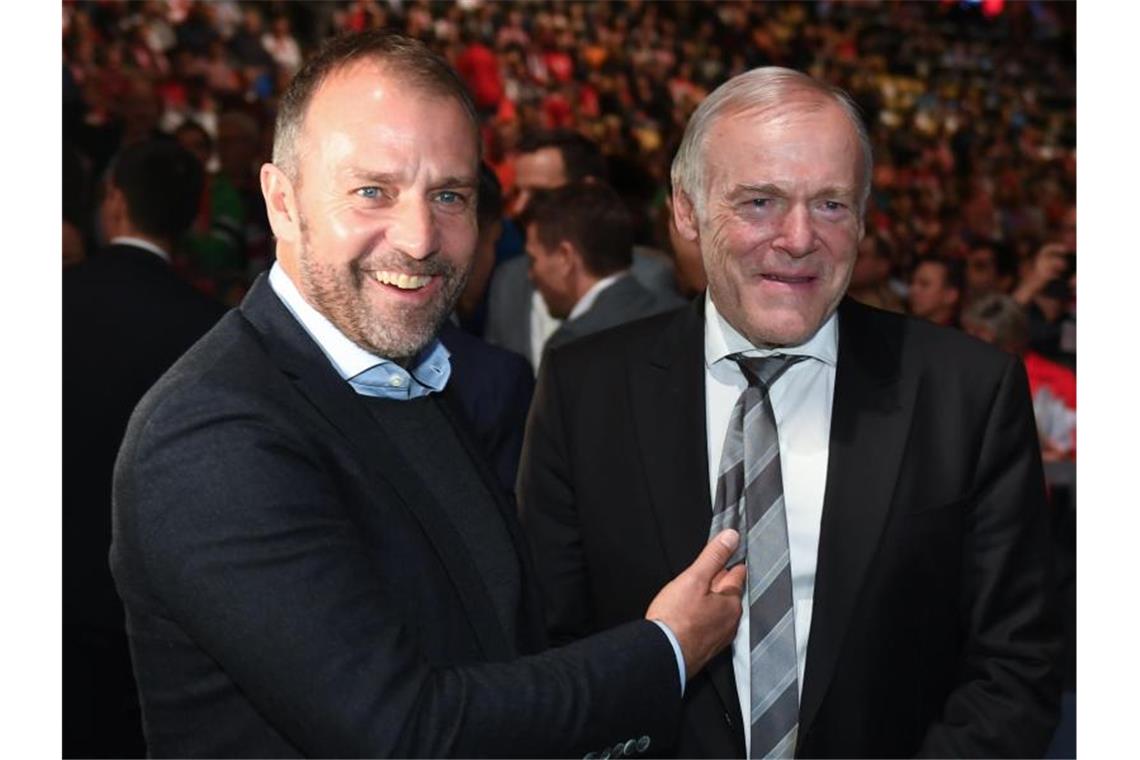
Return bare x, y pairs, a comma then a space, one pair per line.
579, 242
126, 318
517, 316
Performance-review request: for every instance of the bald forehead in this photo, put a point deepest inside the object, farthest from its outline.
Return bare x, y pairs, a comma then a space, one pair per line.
348, 91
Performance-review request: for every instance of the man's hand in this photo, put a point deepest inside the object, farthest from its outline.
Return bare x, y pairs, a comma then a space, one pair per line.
702, 605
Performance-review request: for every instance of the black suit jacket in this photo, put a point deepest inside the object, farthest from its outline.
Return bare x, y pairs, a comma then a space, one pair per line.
931, 631
126, 318
292, 587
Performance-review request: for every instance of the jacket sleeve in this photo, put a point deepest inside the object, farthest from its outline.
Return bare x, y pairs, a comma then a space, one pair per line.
233, 524
1007, 698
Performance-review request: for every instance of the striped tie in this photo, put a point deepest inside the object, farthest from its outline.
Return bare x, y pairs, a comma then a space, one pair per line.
750, 498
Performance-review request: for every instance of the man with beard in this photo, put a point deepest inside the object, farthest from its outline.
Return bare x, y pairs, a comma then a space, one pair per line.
313, 558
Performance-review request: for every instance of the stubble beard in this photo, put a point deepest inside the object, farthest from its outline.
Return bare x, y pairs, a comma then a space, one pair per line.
340, 294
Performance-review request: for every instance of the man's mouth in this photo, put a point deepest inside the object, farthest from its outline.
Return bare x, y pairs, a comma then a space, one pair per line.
788, 279
401, 280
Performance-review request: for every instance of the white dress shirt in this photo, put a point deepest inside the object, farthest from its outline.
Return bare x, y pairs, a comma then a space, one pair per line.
801, 404
146, 245
591, 295
542, 326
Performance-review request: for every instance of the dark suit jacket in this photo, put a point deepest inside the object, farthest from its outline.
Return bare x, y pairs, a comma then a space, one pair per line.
126, 318
494, 387
292, 587
624, 301
931, 630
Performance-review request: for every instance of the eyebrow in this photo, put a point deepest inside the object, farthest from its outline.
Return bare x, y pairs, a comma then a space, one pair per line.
769, 188
393, 178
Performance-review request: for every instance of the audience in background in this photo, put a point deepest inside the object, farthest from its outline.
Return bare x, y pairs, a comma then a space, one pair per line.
871, 275
1000, 320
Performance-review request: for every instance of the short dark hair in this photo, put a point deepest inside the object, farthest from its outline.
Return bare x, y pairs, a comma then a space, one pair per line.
592, 217
405, 57
581, 157
162, 184
489, 208
953, 273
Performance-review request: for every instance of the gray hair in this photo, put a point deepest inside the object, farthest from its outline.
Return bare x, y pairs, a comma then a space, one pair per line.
757, 89
405, 57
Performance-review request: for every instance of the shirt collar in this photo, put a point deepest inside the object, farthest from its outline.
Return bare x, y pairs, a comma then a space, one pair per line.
722, 340
591, 295
146, 245
430, 372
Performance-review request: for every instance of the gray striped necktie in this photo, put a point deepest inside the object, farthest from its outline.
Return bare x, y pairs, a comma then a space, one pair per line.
750, 498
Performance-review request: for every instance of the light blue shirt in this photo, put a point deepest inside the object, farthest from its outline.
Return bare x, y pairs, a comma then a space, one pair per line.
369, 374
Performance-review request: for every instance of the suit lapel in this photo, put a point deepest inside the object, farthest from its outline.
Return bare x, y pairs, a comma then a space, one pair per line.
873, 404
299, 357
667, 388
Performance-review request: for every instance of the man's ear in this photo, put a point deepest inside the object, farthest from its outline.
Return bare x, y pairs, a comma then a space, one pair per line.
568, 257
280, 204
684, 216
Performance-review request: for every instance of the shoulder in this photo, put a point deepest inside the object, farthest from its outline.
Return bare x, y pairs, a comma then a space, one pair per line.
899, 343
630, 341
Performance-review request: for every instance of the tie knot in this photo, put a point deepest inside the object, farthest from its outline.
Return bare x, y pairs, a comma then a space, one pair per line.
765, 370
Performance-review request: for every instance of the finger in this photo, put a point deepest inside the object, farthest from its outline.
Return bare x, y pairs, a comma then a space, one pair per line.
714, 556
730, 582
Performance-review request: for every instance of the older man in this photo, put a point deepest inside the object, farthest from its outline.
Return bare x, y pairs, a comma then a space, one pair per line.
884, 470
312, 558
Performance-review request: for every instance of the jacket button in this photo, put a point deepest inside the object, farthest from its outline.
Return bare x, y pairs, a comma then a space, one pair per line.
618, 750
629, 747
728, 719
643, 744
590, 756
605, 754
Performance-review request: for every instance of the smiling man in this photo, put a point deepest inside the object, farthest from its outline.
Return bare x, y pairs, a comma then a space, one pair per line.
313, 558
884, 470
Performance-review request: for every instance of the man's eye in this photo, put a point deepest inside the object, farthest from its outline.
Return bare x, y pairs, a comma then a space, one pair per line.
450, 198
833, 206
371, 193
760, 202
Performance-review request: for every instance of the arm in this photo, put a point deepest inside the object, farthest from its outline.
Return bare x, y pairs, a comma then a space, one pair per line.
549, 515
236, 525
1006, 702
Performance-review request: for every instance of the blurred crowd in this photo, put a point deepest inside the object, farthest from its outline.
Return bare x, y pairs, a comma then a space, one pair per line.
970, 107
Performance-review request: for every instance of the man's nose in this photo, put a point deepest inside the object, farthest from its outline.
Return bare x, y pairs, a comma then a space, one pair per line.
796, 235
413, 230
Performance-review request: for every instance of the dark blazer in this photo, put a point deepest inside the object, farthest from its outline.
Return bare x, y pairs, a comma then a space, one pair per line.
494, 387
624, 301
292, 587
932, 631
126, 318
